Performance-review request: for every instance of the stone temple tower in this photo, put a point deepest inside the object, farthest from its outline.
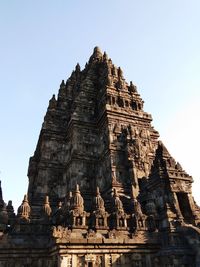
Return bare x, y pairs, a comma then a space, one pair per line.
103, 189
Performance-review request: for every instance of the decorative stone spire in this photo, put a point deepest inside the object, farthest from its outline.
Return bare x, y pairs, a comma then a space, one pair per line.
46, 208
62, 85
10, 209
24, 210
77, 200
117, 203
132, 88
52, 102
105, 56
98, 202
72, 78
61, 94
120, 73
137, 208
178, 166
114, 71
97, 54
78, 67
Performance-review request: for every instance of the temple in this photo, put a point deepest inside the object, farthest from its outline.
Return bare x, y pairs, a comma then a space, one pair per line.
103, 189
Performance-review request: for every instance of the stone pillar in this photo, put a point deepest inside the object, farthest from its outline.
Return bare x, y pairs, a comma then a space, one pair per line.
105, 221
74, 261
108, 260
66, 261
83, 220
125, 222
62, 261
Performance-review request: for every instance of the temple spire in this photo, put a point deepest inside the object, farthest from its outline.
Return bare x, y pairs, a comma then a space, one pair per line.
117, 203
98, 202
24, 209
52, 102
78, 67
77, 200
97, 54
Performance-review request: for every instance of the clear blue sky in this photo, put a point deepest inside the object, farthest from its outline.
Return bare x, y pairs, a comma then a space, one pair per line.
155, 42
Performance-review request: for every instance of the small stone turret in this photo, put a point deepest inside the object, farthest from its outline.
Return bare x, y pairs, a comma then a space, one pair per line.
99, 215
138, 218
132, 88
24, 210
97, 54
78, 67
11, 213
58, 216
52, 102
77, 213
120, 73
136, 207
77, 200
62, 85
119, 217
117, 203
98, 202
105, 56
10, 208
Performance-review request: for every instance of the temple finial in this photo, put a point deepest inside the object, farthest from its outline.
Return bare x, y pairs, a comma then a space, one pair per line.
61, 85
77, 200
52, 102
117, 203
24, 210
97, 51
97, 54
120, 73
78, 67
132, 88
98, 202
105, 56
